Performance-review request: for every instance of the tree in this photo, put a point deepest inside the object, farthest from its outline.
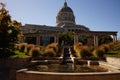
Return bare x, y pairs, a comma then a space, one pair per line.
83, 39
10, 31
105, 39
66, 38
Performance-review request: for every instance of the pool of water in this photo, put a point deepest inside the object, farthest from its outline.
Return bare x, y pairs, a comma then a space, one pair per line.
67, 68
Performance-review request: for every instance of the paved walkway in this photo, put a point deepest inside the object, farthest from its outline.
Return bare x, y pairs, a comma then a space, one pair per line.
114, 61
113, 64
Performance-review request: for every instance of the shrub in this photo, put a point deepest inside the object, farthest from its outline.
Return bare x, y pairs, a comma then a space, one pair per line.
54, 46
22, 47
51, 50
28, 48
111, 45
77, 48
18, 54
16, 46
94, 63
98, 52
35, 52
83, 51
77, 45
105, 47
49, 53
5, 53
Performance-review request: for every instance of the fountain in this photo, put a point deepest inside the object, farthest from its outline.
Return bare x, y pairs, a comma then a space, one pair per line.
67, 64
66, 71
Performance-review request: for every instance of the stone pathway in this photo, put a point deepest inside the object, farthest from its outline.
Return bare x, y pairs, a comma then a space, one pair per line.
114, 61
113, 64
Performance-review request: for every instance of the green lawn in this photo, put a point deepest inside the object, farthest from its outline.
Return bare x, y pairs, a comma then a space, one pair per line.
115, 50
113, 54
19, 54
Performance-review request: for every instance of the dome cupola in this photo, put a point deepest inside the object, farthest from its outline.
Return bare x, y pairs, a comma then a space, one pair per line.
65, 16
65, 8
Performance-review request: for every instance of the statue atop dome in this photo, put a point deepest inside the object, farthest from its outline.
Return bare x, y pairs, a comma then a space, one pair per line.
65, 4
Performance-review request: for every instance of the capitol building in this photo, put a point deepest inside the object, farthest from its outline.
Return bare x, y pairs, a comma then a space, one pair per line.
65, 22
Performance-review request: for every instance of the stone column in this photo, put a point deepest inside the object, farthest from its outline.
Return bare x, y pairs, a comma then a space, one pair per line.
38, 40
56, 38
114, 38
75, 38
95, 41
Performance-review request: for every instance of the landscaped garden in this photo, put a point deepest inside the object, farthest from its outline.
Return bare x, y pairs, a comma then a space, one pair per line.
49, 58
10, 47
81, 51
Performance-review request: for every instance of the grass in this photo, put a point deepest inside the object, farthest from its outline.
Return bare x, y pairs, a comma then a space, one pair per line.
113, 54
18, 54
114, 50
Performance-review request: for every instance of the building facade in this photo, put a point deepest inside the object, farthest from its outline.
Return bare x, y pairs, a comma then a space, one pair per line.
65, 21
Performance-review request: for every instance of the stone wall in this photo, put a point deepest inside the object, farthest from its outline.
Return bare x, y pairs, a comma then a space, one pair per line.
8, 67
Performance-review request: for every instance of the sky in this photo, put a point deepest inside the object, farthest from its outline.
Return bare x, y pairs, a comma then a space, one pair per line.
97, 15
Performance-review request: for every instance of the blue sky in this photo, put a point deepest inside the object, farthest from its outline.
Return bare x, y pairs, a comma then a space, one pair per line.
98, 15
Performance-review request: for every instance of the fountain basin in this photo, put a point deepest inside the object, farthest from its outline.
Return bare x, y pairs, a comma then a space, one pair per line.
24, 74
112, 74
